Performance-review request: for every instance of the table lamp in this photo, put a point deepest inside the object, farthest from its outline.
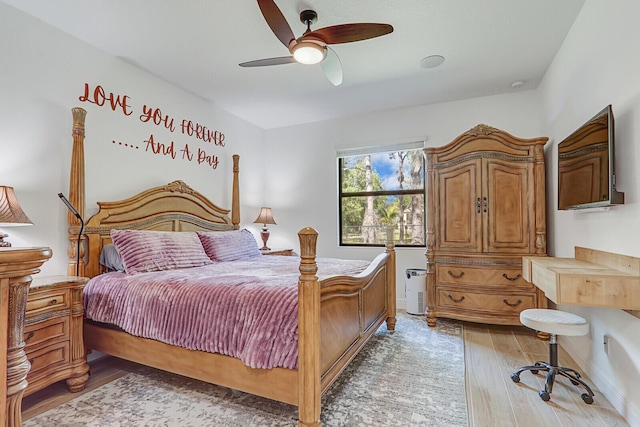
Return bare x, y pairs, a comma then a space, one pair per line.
265, 217
11, 214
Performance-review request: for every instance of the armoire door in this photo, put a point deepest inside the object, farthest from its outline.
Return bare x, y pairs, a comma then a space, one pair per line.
458, 211
507, 220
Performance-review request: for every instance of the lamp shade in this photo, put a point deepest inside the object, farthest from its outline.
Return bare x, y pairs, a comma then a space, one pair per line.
265, 217
11, 214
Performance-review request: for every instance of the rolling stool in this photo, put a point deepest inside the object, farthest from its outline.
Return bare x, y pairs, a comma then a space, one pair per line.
554, 322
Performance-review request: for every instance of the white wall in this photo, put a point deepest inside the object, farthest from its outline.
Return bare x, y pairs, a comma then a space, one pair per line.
301, 168
599, 64
42, 76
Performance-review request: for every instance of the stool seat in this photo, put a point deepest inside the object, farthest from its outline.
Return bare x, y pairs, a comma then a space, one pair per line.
554, 322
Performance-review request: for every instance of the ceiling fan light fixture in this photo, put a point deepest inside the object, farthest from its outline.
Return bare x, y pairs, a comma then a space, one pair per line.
309, 53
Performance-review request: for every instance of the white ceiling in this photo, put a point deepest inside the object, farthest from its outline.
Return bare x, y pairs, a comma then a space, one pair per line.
198, 44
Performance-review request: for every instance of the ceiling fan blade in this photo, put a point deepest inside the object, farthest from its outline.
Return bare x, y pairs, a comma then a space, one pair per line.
276, 21
332, 67
269, 61
347, 33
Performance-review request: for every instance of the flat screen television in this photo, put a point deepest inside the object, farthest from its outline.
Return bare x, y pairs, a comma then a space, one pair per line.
586, 172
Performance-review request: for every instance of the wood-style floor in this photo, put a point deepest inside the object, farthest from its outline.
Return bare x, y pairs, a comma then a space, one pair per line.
491, 354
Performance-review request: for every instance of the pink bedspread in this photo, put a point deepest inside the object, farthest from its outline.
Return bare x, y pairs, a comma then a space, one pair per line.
244, 309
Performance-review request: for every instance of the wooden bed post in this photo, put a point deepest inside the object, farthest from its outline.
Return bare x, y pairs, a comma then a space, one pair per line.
76, 192
235, 197
391, 279
308, 332
429, 184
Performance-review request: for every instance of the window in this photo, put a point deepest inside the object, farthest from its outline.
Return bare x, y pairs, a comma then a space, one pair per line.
378, 189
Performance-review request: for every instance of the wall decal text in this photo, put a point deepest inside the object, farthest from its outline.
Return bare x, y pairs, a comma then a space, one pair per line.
154, 116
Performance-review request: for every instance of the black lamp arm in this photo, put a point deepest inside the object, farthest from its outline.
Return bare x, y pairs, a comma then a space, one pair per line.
70, 206
77, 215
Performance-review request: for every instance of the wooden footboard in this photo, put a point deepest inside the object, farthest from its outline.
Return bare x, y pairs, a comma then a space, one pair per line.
336, 318
278, 383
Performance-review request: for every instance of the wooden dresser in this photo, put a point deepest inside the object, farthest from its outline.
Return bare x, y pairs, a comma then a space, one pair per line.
53, 333
485, 211
17, 265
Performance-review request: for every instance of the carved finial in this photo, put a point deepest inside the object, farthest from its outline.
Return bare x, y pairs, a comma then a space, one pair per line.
481, 129
390, 242
79, 115
308, 267
179, 186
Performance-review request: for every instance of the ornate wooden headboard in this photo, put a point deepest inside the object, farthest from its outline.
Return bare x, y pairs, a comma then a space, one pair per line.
171, 207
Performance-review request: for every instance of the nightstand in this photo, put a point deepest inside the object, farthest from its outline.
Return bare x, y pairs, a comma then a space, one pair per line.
53, 333
282, 252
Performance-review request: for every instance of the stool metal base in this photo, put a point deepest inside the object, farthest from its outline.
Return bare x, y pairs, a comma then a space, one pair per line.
552, 370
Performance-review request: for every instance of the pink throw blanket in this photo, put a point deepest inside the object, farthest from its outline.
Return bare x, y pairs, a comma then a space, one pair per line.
243, 309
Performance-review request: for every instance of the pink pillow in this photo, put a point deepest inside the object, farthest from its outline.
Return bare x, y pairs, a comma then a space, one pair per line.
236, 245
143, 251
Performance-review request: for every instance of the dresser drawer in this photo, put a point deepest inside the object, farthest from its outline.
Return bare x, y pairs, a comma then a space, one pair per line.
48, 358
47, 332
39, 303
501, 302
491, 275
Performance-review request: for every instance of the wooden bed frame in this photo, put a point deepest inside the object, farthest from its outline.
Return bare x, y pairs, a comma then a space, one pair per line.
336, 316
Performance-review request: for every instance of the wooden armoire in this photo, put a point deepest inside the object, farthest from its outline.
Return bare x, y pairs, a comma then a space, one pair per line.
485, 211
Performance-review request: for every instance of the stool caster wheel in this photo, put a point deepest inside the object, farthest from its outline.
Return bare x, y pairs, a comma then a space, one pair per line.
534, 371
515, 377
545, 396
587, 398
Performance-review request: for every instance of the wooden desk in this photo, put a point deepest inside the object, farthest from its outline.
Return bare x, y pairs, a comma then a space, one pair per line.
593, 279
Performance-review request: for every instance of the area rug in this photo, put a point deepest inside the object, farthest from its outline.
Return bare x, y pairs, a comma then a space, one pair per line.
413, 377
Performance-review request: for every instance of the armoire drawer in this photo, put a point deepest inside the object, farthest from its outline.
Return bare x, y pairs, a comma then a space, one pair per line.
498, 302
492, 275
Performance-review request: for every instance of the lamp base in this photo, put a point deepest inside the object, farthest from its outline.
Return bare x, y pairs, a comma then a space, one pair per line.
265, 236
4, 244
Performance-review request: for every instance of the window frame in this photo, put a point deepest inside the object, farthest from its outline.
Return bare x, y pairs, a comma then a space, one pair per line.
418, 147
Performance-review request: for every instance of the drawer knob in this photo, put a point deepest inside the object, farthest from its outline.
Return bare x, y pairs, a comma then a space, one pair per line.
29, 336
456, 300
513, 279
514, 304
53, 302
455, 276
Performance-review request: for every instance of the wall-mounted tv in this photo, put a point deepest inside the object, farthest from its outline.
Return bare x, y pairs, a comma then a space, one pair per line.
586, 173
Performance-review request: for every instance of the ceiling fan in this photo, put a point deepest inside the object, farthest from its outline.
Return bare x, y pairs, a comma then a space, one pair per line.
311, 47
